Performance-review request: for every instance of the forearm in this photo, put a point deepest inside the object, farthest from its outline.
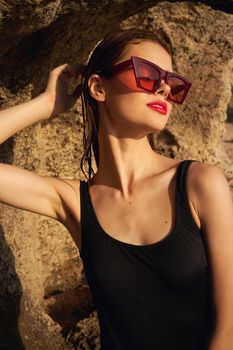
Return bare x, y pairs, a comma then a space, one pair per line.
18, 117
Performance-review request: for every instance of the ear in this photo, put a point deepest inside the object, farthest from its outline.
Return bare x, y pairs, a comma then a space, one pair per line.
96, 88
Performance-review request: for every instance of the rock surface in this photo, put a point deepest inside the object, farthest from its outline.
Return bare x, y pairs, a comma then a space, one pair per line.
43, 293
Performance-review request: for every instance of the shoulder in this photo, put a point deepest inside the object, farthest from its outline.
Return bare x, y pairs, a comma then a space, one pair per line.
204, 175
69, 193
208, 186
62, 182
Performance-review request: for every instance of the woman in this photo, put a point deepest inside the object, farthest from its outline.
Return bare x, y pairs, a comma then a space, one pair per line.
154, 233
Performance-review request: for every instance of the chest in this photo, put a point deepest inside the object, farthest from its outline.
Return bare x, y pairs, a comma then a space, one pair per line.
143, 218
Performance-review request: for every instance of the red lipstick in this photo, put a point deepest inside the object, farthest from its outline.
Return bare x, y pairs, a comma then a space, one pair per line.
158, 106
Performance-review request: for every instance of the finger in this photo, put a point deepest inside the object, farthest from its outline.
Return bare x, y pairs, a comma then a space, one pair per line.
76, 69
61, 72
69, 70
73, 69
60, 68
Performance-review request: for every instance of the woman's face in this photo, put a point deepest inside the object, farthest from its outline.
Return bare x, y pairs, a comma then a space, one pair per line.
127, 105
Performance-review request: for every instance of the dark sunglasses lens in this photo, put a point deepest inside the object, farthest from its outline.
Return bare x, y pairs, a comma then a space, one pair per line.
148, 76
178, 88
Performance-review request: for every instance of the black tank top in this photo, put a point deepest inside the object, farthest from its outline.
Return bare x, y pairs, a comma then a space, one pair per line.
148, 297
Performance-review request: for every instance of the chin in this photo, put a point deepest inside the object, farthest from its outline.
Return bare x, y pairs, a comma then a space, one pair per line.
155, 129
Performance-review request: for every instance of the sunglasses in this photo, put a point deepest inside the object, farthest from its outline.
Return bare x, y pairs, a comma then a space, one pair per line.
148, 77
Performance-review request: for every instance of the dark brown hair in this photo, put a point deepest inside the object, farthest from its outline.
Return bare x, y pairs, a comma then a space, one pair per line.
104, 56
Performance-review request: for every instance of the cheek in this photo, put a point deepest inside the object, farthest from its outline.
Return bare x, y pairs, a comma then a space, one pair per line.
127, 79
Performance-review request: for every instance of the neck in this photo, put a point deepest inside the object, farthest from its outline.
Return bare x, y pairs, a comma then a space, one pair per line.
123, 161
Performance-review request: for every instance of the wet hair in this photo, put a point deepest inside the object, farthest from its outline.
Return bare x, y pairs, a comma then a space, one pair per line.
103, 57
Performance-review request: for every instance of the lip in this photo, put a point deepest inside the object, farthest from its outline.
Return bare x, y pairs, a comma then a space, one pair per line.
158, 106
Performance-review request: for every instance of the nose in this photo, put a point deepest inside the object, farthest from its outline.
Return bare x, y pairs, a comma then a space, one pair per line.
164, 89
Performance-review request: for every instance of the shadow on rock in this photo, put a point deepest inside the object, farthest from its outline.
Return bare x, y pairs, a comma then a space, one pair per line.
10, 296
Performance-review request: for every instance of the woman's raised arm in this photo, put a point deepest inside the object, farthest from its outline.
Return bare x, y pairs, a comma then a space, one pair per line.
22, 188
53, 101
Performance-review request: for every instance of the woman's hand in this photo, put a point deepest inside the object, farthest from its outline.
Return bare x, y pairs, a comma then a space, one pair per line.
58, 87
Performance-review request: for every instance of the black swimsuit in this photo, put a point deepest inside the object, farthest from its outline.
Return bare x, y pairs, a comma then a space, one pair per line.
148, 297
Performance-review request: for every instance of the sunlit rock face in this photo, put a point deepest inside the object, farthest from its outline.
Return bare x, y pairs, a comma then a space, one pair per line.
45, 302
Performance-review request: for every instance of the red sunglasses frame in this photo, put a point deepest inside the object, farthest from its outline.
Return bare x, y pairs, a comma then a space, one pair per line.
163, 74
